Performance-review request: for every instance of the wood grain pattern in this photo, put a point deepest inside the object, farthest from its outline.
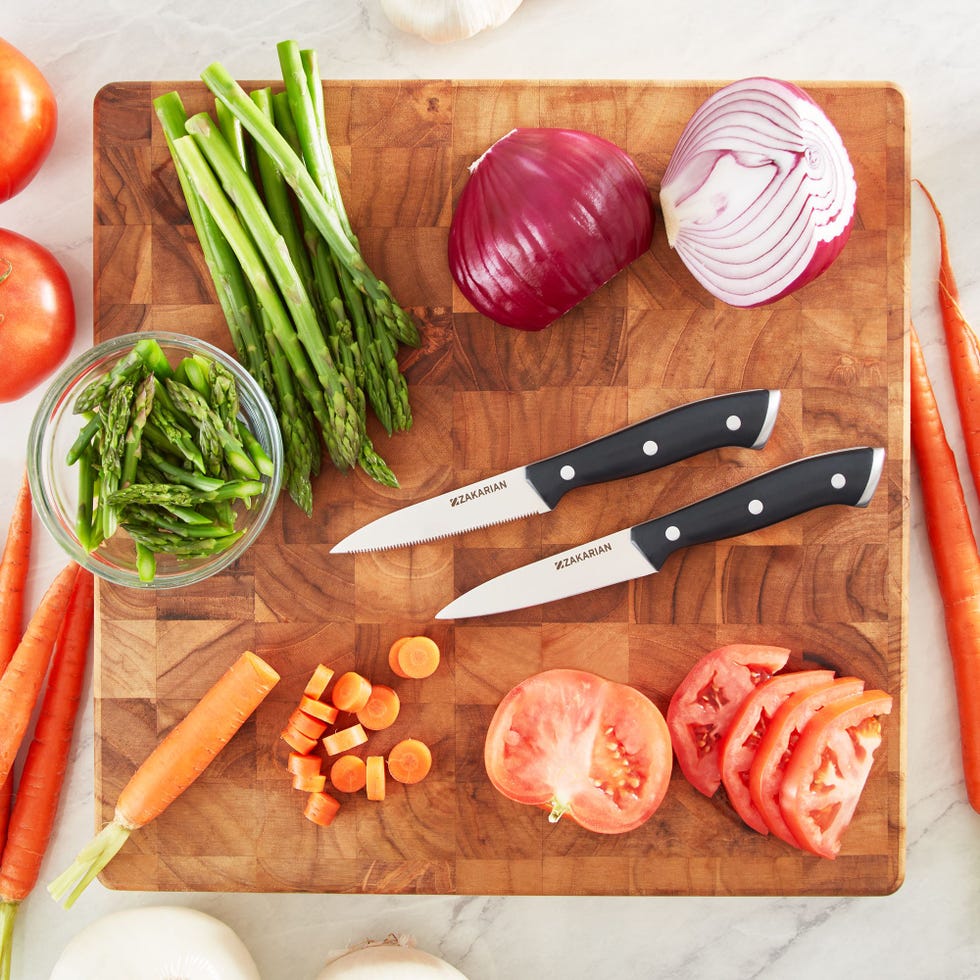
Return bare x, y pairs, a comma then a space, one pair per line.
830, 585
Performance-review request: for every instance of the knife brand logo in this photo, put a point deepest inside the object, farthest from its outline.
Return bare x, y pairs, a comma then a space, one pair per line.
599, 549
464, 498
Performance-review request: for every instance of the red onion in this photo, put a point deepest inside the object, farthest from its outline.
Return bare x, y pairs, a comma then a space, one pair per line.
546, 217
758, 197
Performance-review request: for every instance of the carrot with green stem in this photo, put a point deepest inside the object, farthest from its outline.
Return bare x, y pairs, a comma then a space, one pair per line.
955, 556
22, 680
962, 347
42, 777
172, 766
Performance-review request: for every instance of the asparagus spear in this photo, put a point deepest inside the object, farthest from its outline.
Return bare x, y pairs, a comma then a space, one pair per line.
169, 493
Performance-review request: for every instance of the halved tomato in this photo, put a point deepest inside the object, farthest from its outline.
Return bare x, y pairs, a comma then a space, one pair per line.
745, 733
828, 769
778, 742
705, 702
582, 746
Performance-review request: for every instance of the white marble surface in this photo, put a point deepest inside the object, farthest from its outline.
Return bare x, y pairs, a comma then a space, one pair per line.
931, 926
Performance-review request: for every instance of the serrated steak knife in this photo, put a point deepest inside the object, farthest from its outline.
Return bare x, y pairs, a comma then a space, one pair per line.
743, 418
847, 476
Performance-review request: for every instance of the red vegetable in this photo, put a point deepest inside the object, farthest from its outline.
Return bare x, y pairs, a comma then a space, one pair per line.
758, 197
28, 120
706, 700
828, 769
579, 745
546, 217
37, 312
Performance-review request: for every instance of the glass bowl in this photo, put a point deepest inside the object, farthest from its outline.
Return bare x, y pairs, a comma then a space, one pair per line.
55, 483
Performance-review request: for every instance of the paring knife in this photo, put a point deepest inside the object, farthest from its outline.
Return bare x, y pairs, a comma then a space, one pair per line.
846, 476
743, 418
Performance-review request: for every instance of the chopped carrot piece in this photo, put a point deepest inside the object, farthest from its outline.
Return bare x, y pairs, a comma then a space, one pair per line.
297, 741
321, 808
303, 764
418, 656
375, 777
318, 709
351, 692
310, 784
318, 682
347, 774
409, 761
393, 656
381, 710
344, 740
306, 724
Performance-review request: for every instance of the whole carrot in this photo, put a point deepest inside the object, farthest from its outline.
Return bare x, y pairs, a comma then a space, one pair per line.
39, 788
955, 556
962, 346
22, 680
172, 766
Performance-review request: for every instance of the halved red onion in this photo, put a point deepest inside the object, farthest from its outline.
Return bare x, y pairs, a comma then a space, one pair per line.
758, 197
546, 218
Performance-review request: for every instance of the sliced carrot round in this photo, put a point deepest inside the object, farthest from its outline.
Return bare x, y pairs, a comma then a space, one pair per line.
303, 764
318, 681
318, 709
393, 656
375, 777
409, 761
351, 692
344, 740
381, 710
297, 741
306, 724
310, 784
321, 808
418, 657
348, 774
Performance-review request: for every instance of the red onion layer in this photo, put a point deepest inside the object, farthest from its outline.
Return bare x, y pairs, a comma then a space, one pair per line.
546, 218
758, 198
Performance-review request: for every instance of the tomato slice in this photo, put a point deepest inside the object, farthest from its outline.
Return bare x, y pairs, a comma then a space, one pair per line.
827, 771
747, 728
706, 701
582, 746
778, 742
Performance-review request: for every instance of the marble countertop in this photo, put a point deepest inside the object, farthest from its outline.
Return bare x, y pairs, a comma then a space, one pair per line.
931, 926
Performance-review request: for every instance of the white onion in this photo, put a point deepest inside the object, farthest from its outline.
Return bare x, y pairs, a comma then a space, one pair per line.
758, 197
156, 942
395, 958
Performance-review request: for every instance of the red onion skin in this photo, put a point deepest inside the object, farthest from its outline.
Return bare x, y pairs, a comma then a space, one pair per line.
546, 218
825, 252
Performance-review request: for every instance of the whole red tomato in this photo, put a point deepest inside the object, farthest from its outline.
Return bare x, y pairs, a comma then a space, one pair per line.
28, 119
37, 314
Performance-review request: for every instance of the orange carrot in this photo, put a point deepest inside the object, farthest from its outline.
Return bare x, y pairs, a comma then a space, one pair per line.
321, 808
393, 656
13, 574
347, 774
351, 692
306, 724
318, 681
297, 741
962, 346
344, 740
374, 771
409, 761
303, 764
39, 789
22, 680
955, 557
310, 783
381, 710
418, 657
318, 709
172, 766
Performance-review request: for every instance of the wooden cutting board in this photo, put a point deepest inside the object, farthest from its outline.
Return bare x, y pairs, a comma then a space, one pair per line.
830, 584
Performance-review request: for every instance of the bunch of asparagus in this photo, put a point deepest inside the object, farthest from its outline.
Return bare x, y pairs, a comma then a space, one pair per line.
309, 319
163, 454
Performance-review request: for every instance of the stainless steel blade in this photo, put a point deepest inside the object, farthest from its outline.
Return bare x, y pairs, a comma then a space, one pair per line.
505, 497
604, 561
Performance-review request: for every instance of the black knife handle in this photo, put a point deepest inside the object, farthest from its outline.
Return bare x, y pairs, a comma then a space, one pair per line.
846, 476
743, 418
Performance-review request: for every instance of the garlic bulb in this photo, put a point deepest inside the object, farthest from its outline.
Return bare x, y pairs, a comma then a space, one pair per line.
440, 21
